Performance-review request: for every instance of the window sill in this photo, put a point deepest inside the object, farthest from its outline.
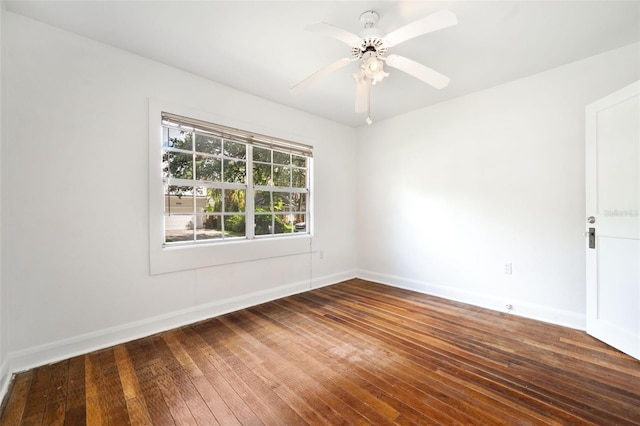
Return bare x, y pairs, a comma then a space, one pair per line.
179, 258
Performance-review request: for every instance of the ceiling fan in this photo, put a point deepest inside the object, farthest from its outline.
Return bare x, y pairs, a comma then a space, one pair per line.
370, 50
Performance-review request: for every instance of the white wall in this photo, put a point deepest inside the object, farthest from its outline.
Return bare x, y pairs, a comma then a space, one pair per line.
77, 203
448, 194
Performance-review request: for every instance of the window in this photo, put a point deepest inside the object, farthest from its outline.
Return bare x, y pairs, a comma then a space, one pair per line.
227, 184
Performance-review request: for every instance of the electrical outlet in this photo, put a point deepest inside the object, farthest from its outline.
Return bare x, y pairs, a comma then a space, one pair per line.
508, 269
321, 254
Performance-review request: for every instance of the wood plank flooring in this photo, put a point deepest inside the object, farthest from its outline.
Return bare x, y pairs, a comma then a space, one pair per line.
354, 353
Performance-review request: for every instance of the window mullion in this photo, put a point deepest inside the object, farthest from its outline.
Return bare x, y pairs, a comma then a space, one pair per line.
249, 197
194, 212
194, 198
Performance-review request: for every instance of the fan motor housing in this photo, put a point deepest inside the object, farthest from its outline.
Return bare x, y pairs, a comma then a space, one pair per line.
372, 43
370, 46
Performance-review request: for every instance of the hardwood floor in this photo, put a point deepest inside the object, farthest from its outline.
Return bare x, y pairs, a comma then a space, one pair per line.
353, 353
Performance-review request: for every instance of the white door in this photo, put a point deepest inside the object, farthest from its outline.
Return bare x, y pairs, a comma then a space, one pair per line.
613, 219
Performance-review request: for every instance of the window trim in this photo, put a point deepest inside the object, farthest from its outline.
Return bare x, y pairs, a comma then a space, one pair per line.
163, 258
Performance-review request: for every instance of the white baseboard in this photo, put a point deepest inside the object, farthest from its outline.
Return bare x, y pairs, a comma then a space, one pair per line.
63, 349
333, 279
521, 308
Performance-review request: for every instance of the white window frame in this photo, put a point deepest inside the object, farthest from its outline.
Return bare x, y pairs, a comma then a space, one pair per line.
169, 258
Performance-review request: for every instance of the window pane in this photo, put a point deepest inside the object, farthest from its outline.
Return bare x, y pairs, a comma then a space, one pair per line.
261, 154
208, 144
300, 223
299, 178
281, 176
262, 201
208, 168
281, 157
178, 199
284, 224
209, 227
165, 165
178, 165
234, 171
214, 200
180, 139
262, 174
234, 200
235, 149
281, 201
299, 161
165, 138
264, 224
178, 227
299, 202
234, 226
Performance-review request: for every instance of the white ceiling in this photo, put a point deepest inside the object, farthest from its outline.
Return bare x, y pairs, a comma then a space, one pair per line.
261, 47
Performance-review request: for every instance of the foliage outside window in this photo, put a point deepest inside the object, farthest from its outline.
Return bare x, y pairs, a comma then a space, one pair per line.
225, 184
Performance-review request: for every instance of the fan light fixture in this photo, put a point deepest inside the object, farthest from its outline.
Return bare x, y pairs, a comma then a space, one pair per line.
370, 49
371, 69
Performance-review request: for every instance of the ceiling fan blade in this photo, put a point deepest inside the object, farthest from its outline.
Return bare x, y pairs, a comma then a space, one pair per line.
434, 22
363, 92
335, 32
320, 74
419, 71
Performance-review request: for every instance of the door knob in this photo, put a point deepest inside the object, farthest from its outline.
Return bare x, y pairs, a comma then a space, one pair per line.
591, 219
